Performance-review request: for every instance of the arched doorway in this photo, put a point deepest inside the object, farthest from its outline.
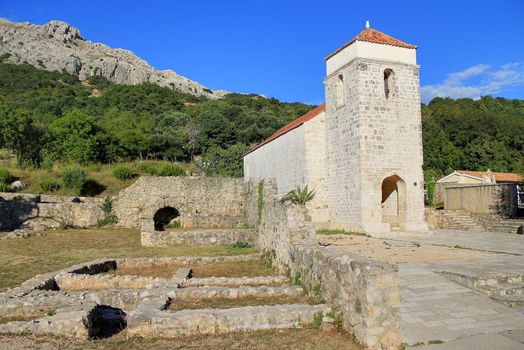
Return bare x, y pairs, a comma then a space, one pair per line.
164, 216
394, 201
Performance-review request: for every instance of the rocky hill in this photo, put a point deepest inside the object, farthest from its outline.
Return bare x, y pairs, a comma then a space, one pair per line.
60, 46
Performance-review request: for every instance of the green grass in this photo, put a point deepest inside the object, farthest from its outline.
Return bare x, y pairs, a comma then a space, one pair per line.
339, 232
21, 259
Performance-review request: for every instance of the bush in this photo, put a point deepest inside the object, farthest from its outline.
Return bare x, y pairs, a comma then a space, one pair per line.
109, 217
48, 185
4, 187
5, 176
74, 178
123, 173
299, 196
170, 170
241, 244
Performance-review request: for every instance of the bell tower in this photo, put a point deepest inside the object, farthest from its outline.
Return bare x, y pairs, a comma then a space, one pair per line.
373, 135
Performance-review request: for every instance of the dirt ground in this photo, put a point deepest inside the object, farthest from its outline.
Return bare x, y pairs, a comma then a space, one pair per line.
310, 338
396, 252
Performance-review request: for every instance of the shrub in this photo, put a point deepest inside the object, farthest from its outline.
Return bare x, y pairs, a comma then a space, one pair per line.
48, 185
148, 168
240, 244
299, 196
174, 224
123, 173
431, 192
170, 170
5, 176
92, 188
4, 187
74, 178
109, 217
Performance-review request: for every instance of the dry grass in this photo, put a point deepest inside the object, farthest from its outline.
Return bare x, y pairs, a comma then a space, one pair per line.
21, 259
28, 316
227, 303
101, 173
250, 268
283, 339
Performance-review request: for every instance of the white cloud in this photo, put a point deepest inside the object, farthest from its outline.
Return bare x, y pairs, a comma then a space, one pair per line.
487, 80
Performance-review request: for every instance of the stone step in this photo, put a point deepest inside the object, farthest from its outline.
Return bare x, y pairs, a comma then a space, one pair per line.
504, 289
212, 321
510, 300
235, 281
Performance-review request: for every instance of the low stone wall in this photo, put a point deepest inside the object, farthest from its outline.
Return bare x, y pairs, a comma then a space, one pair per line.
50, 211
204, 237
366, 293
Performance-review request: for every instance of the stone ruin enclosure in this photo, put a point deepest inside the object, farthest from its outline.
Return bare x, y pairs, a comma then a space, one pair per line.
91, 300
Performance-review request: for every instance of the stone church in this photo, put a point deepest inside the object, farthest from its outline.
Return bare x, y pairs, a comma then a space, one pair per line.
362, 150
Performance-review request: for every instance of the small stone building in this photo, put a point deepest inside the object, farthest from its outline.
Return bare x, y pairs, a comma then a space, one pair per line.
362, 150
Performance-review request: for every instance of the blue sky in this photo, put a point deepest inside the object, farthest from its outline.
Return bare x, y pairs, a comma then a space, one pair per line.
277, 48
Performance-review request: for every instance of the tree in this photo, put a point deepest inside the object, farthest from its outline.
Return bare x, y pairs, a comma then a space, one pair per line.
225, 162
77, 138
20, 134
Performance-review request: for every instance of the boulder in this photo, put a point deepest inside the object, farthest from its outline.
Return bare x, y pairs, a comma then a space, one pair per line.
17, 186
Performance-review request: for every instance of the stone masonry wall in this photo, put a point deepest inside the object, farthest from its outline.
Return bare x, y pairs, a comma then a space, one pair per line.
366, 293
201, 201
50, 211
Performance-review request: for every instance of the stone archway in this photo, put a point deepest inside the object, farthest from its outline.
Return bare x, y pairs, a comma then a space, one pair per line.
163, 217
394, 202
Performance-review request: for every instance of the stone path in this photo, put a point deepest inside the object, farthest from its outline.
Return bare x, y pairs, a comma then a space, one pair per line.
434, 308
493, 242
437, 313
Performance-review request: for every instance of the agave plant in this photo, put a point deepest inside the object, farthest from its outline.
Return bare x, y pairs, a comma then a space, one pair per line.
299, 196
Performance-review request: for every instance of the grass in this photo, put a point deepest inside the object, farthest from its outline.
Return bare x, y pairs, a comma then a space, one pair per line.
283, 339
45, 311
21, 259
102, 174
249, 268
339, 232
227, 303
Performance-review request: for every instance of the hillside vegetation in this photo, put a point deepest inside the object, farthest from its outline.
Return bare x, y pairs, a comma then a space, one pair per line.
50, 120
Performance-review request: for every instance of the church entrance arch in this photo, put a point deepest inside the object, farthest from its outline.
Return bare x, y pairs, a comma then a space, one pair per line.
394, 201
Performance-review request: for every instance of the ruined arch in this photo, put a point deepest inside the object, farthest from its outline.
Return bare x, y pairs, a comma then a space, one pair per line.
394, 201
163, 217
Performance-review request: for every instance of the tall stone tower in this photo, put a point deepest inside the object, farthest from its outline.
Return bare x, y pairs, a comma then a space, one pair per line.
373, 135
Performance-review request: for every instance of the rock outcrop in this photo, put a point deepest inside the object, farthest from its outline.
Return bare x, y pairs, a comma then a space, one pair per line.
60, 46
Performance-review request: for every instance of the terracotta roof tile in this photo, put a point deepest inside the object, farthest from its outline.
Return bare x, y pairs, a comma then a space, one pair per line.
293, 125
499, 177
374, 36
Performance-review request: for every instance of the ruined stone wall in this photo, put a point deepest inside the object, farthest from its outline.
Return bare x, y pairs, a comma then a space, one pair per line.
201, 201
365, 292
50, 211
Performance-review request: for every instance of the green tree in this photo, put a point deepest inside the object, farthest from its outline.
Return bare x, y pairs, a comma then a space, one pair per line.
225, 162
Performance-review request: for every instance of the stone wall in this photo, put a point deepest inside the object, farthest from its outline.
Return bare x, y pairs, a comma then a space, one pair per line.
482, 199
366, 293
50, 211
201, 201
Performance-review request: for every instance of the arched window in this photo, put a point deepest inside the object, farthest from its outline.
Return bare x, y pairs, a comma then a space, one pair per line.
389, 83
340, 94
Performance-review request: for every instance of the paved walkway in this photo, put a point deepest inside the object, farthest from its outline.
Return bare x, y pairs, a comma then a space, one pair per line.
445, 315
434, 308
493, 242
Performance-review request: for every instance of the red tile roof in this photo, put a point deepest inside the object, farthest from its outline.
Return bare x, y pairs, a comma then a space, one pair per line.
499, 177
293, 125
374, 36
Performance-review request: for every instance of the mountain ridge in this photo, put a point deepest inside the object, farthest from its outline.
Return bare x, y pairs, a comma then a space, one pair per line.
60, 46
